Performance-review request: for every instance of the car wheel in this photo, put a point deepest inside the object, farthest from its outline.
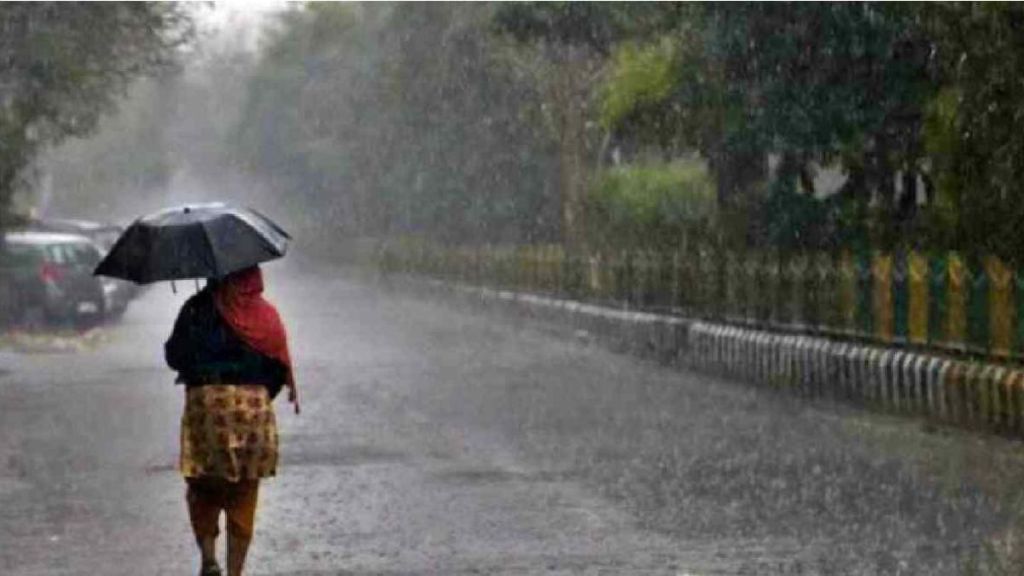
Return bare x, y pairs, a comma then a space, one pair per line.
59, 319
117, 312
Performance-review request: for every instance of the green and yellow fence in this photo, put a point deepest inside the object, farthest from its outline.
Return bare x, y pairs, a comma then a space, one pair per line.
949, 302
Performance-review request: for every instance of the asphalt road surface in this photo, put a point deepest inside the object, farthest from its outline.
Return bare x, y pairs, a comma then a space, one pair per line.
440, 441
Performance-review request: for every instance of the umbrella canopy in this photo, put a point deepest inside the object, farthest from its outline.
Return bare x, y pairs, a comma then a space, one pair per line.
198, 241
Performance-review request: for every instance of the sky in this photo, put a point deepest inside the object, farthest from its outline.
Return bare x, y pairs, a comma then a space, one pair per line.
219, 16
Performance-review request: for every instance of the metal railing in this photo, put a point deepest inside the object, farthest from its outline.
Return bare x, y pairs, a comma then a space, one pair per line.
947, 302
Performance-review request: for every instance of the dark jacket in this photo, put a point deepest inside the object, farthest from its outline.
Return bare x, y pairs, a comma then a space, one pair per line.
204, 350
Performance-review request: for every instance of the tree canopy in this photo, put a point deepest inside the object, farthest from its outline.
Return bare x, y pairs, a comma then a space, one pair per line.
917, 104
399, 119
820, 125
62, 65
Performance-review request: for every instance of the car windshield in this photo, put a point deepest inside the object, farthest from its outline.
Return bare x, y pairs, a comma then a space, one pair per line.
78, 253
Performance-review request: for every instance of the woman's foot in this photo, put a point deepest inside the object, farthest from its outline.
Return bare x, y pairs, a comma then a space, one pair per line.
208, 556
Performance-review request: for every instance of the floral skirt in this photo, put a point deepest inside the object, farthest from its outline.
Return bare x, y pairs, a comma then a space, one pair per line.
228, 431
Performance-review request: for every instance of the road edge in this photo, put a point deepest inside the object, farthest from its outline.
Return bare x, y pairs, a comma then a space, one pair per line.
963, 393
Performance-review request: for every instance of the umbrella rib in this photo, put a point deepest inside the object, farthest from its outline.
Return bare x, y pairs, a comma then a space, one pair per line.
264, 240
149, 234
209, 244
271, 223
247, 220
267, 243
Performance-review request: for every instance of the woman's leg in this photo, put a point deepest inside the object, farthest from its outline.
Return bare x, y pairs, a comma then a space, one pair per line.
204, 506
241, 513
238, 548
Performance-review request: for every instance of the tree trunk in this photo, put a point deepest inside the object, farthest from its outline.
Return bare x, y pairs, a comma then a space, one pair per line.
572, 90
737, 177
573, 170
9, 172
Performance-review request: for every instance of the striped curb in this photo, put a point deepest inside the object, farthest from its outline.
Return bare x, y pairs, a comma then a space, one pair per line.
966, 393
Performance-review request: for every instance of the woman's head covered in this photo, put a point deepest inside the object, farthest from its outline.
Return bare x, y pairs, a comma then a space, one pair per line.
238, 297
246, 281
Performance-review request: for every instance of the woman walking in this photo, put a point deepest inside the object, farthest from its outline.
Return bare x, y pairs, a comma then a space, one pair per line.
230, 351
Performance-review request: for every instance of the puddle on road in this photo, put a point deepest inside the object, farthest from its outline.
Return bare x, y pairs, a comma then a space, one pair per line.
65, 341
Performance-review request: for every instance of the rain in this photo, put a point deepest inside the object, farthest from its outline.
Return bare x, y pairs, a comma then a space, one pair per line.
511, 288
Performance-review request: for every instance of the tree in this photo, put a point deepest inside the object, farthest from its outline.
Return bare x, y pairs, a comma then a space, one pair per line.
973, 127
563, 49
62, 65
399, 119
172, 130
118, 169
809, 84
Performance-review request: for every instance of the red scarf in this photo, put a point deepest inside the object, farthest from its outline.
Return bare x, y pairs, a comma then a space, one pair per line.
240, 302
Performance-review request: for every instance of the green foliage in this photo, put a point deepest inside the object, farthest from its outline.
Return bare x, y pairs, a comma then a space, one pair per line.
399, 121
652, 206
64, 66
973, 133
809, 83
599, 26
124, 158
909, 99
171, 135
590, 24
563, 50
640, 76
492, 122
796, 221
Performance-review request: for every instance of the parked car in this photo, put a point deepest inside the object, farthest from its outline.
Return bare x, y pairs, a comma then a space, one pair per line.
49, 277
103, 234
119, 293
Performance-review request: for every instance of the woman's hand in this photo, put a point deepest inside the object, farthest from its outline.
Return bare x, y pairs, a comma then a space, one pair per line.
293, 397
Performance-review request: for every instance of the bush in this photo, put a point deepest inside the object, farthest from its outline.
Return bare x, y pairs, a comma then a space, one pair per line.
651, 206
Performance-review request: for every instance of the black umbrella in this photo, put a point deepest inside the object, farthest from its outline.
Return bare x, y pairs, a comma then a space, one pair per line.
200, 241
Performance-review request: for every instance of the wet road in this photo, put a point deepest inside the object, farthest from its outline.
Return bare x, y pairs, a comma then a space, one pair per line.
435, 441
